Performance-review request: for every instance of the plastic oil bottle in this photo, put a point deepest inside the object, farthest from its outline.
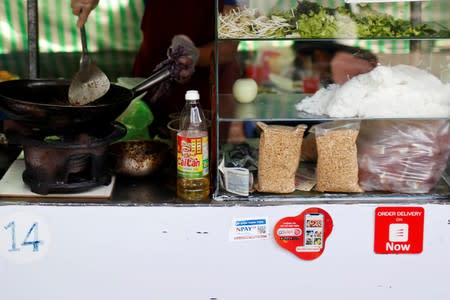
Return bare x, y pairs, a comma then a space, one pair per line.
193, 181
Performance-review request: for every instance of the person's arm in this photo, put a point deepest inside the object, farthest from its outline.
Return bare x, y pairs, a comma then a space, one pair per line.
82, 9
227, 50
229, 6
345, 65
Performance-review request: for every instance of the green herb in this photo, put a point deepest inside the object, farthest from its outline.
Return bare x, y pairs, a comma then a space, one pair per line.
315, 21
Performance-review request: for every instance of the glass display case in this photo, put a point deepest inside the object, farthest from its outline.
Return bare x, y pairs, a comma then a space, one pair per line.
383, 65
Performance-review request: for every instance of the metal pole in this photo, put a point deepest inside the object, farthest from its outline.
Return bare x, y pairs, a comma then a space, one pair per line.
416, 18
33, 39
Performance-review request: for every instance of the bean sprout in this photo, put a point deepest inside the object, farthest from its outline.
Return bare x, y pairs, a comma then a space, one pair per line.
247, 23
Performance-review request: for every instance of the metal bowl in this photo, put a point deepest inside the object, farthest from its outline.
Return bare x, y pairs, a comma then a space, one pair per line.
138, 158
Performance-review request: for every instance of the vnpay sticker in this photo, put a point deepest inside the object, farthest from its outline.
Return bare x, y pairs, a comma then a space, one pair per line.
249, 229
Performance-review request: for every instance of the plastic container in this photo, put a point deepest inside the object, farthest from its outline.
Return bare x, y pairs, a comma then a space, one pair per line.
193, 180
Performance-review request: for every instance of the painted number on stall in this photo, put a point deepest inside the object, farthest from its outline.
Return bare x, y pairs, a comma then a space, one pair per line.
33, 230
24, 237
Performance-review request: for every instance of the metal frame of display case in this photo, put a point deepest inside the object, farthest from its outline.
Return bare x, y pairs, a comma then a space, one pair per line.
262, 109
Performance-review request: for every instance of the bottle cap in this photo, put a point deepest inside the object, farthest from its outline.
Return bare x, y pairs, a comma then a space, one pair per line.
192, 95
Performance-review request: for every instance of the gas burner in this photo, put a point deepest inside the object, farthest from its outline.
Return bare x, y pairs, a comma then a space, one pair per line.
67, 163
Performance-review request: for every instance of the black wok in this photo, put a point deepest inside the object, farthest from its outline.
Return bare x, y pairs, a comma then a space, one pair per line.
44, 105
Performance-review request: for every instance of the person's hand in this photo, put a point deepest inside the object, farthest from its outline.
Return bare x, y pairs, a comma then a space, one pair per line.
185, 55
345, 65
82, 9
186, 66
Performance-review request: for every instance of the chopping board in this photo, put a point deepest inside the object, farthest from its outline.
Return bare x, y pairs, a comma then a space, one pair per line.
12, 185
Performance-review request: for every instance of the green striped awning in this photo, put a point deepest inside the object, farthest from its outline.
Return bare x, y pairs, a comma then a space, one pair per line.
113, 25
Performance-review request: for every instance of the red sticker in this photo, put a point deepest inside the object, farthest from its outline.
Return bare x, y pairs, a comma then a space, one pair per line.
399, 230
304, 235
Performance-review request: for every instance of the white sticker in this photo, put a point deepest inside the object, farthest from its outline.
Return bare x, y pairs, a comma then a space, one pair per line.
24, 237
249, 229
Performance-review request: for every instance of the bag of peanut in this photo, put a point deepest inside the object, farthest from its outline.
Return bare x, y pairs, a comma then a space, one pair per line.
337, 161
279, 157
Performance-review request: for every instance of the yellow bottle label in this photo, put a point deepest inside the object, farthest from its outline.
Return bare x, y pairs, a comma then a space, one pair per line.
192, 157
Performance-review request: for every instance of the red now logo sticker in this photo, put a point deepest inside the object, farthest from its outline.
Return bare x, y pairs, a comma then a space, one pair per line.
399, 230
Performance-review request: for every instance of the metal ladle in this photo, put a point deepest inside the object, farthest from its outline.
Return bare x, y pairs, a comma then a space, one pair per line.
89, 83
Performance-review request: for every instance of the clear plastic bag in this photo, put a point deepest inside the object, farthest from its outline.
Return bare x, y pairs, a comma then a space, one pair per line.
279, 157
337, 161
405, 156
309, 148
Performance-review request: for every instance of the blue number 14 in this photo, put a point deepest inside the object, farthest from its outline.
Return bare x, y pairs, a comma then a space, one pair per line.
26, 242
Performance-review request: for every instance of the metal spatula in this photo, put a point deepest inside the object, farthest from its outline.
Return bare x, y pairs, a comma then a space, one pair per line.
89, 83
